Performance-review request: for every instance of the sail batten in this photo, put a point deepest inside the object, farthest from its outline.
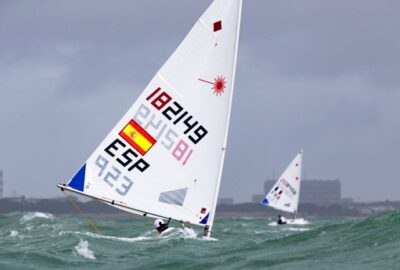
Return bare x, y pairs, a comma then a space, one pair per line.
164, 80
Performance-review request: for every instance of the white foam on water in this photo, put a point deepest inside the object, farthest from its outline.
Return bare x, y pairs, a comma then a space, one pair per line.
187, 232
122, 239
83, 249
171, 233
50, 226
298, 221
209, 238
273, 223
13, 233
100, 236
247, 218
297, 229
190, 232
30, 216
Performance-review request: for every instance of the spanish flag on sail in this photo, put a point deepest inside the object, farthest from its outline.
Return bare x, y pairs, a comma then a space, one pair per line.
136, 136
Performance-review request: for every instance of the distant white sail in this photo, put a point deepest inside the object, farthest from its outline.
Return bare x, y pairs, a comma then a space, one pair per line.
284, 195
164, 157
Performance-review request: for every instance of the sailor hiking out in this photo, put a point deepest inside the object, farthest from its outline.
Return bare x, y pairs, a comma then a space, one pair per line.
281, 220
160, 226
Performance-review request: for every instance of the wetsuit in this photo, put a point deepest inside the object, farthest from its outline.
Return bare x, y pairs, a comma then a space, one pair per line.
162, 227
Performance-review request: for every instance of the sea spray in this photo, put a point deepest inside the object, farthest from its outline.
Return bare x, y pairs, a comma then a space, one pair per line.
83, 249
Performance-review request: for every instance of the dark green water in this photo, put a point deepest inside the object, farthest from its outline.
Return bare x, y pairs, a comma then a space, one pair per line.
44, 241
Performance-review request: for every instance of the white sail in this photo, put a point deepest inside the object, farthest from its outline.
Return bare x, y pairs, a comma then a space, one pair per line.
164, 157
284, 195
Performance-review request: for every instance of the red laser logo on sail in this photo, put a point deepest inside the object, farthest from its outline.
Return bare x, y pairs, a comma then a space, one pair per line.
219, 84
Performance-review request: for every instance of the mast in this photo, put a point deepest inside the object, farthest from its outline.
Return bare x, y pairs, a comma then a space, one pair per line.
208, 228
299, 189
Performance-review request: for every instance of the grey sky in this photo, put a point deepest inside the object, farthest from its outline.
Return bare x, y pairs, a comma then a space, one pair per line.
318, 75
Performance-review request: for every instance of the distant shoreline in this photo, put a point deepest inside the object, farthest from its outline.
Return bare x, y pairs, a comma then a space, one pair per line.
62, 206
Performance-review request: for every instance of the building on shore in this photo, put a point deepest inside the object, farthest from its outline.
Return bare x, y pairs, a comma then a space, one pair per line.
225, 201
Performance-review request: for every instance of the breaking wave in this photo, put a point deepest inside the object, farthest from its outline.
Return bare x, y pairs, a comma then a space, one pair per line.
35, 215
83, 249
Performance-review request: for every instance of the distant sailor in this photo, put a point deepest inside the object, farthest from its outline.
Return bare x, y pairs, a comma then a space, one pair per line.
281, 220
160, 226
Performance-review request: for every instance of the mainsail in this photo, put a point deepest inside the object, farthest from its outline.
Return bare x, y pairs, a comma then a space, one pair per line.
164, 158
284, 195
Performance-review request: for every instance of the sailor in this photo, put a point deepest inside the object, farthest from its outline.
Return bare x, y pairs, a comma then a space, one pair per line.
281, 220
160, 226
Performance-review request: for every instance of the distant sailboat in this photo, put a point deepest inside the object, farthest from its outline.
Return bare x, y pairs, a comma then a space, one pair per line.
164, 158
284, 195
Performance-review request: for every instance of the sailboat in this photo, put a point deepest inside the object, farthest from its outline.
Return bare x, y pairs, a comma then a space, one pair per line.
284, 194
164, 158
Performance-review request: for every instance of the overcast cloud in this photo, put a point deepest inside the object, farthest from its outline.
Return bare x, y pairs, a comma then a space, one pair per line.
318, 75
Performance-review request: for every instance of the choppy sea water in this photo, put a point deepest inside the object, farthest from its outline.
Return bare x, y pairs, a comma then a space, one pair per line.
44, 241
